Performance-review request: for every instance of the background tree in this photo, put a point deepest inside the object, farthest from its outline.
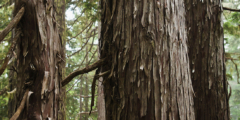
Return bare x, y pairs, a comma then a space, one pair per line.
231, 36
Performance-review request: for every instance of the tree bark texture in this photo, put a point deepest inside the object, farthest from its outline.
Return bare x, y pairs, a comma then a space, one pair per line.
206, 55
38, 64
61, 8
146, 45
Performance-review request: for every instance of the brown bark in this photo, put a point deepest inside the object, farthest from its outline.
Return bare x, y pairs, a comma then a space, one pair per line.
145, 42
38, 61
206, 56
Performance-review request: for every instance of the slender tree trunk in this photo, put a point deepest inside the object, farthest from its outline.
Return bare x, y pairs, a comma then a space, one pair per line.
205, 37
38, 64
86, 87
145, 42
80, 100
100, 99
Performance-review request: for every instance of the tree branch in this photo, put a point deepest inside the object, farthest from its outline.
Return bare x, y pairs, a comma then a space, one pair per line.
93, 86
20, 108
90, 24
230, 9
12, 24
82, 71
10, 51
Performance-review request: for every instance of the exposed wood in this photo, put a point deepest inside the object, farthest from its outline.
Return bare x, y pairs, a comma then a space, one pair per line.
231, 9
12, 24
82, 71
10, 52
20, 108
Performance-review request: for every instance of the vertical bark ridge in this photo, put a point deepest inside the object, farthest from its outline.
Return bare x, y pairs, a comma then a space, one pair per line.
146, 43
39, 60
205, 40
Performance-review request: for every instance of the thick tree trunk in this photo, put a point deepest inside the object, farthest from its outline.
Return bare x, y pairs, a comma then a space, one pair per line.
205, 37
145, 42
38, 65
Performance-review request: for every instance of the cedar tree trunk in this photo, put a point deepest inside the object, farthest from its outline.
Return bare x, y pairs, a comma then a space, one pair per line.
38, 64
146, 45
206, 56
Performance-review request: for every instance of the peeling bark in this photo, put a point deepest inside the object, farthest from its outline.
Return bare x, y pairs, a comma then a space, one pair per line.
206, 55
39, 60
146, 45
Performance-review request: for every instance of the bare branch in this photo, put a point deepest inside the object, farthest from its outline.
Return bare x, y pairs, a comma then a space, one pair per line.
82, 75
76, 18
82, 71
20, 108
230, 9
94, 84
80, 49
90, 24
12, 24
10, 52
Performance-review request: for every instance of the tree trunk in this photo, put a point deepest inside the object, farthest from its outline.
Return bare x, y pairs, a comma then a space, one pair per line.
145, 42
38, 63
100, 100
86, 87
61, 8
205, 37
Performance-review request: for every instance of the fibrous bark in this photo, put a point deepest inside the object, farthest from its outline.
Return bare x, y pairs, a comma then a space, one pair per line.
206, 56
145, 42
38, 64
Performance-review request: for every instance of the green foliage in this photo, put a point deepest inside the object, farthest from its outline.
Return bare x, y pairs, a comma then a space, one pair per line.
81, 34
232, 56
5, 17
